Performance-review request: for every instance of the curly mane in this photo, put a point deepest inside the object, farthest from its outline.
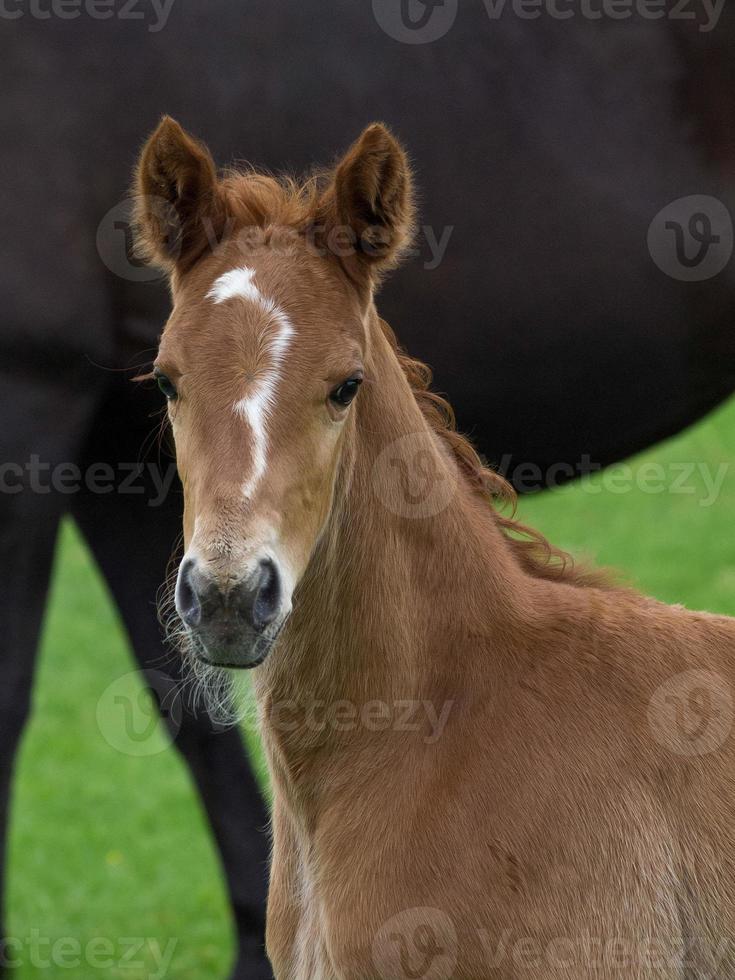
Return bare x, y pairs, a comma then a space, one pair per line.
530, 548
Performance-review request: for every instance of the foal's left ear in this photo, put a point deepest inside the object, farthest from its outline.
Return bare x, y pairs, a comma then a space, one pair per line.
178, 207
368, 209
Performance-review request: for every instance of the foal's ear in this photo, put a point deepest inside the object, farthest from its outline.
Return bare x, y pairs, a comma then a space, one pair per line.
178, 208
370, 201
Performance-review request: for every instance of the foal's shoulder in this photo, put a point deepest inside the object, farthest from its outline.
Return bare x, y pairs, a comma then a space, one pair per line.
664, 637
638, 633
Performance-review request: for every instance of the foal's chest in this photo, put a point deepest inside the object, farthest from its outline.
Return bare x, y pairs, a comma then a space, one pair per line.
296, 944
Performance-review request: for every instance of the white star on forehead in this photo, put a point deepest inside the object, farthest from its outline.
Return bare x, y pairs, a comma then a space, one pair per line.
236, 282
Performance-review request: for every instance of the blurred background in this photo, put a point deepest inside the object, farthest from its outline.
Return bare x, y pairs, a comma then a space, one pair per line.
572, 286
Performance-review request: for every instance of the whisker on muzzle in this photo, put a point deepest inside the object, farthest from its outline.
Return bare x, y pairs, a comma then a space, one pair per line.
203, 686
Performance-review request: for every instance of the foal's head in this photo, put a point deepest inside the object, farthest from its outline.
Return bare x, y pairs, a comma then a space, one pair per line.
261, 363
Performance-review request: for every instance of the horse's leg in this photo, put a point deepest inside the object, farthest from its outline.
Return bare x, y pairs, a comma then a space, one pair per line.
22, 600
43, 425
132, 542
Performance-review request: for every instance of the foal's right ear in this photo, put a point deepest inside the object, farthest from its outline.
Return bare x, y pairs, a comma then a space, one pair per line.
178, 207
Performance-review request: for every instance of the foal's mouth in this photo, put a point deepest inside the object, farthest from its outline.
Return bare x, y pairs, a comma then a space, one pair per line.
224, 665
244, 655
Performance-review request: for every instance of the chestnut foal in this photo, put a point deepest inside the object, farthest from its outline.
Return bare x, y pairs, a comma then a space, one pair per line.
483, 761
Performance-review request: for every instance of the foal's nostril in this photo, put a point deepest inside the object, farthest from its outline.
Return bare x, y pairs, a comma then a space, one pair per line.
268, 595
187, 601
223, 616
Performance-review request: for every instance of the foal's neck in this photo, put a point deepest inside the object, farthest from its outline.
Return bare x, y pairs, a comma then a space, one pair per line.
412, 580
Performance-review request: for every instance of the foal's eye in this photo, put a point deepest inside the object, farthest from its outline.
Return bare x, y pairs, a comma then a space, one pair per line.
344, 394
167, 386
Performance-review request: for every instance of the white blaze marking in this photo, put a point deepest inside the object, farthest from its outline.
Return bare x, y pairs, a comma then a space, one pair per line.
256, 407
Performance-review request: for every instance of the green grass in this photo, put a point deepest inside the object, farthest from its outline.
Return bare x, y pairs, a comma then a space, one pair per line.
675, 543
105, 844
109, 845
